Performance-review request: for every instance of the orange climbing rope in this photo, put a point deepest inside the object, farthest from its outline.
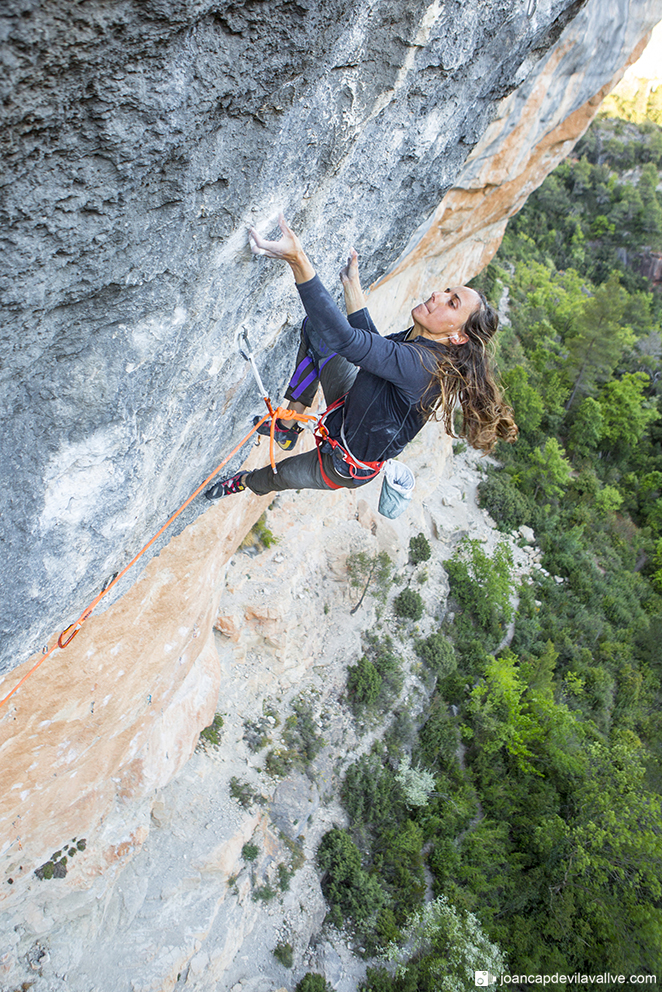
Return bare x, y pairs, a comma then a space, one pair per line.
68, 634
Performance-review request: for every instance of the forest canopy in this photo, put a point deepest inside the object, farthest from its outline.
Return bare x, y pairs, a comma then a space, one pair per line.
530, 789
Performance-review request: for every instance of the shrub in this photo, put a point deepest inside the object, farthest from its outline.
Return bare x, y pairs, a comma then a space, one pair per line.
364, 684
350, 890
371, 795
312, 982
401, 735
284, 953
255, 733
284, 876
387, 663
408, 605
263, 534
297, 857
438, 653
419, 549
278, 763
500, 496
243, 793
301, 735
264, 893
259, 536
439, 739
211, 735
301, 738
249, 852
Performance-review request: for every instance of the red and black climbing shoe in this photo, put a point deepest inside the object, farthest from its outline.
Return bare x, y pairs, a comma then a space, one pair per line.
285, 437
227, 487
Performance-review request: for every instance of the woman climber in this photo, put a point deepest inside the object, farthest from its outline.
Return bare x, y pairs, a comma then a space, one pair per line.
379, 391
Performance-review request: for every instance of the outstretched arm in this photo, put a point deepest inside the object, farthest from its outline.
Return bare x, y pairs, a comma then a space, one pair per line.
351, 284
288, 249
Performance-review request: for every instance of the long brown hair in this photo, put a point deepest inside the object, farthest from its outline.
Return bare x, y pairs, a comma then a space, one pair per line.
464, 375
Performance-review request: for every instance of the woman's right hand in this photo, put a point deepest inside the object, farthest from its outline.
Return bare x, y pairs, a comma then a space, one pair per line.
287, 249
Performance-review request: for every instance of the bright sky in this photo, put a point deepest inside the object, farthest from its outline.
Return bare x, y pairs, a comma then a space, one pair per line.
649, 65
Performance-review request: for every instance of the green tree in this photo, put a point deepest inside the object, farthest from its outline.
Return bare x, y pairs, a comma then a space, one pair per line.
651, 215
600, 339
482, 586
626, 416
526, 401
438, 654
606, 870
627, 209
364, 684
363, 569
587, 428
549, 470
408, 604
399, 861
500, 714
454, 944
371, 795
419, 549
439, 737
349, 889
657, 562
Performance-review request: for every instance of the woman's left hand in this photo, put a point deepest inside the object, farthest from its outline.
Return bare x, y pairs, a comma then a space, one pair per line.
350, 271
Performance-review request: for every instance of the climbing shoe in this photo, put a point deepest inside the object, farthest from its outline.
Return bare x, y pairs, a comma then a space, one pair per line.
285, 437
227, 487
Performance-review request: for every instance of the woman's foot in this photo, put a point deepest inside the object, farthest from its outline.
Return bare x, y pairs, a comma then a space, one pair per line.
227, 487
285, 437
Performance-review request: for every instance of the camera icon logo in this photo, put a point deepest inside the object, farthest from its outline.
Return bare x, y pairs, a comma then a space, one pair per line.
483, 978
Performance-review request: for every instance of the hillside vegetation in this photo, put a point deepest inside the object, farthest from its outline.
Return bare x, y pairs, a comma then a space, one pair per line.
530, 790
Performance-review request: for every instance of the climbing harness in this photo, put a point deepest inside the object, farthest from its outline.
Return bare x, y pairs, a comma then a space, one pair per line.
68, 634
341, 450
305, 373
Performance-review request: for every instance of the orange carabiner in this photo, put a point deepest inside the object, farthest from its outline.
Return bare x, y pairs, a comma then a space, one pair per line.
63, 644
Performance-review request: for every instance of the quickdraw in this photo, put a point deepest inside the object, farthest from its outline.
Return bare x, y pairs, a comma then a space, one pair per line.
280, 413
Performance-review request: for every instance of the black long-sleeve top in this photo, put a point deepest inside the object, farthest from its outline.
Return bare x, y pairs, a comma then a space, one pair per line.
382, 410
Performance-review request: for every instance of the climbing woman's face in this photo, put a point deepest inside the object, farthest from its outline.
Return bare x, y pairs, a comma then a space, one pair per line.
443, 316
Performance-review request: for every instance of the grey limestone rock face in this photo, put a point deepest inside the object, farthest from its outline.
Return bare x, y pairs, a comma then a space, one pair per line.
139, 139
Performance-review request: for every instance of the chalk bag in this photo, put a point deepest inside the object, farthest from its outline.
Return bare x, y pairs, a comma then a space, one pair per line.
397, 489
